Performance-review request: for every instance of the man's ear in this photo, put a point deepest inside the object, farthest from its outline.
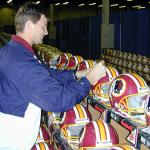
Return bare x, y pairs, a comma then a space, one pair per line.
29, 25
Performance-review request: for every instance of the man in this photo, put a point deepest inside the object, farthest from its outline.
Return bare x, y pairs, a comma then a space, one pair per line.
27, 86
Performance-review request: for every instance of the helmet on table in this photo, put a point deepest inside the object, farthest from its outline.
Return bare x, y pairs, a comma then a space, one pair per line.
43, 135
97, 134
73, 62
62, 60
101, 87
86, 64
42, 146
73, 121
128, 93
113, 147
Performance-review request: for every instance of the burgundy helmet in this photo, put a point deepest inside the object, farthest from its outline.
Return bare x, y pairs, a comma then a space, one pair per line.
42, 146
113, 147
62, 60
98, 134
43, 135
86, 64
101, 87
73, 121
128, 93
73, 62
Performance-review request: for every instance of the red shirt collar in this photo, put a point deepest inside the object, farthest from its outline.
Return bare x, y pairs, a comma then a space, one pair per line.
23, 42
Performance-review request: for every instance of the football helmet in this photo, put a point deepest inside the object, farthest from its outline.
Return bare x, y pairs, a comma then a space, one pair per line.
86, 64
73, 62
113, 147
97, 134
43, 135
127, 94
62, 60
100, 88
42, 146
147, 110
73, 121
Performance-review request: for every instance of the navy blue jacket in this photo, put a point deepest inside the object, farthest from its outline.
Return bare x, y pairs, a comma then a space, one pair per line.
24, 80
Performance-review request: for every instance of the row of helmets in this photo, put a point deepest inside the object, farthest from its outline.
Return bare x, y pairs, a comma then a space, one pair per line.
128, 99
127, 94
71, 62
56, 59
127, 56
135, 66
124, 66
47, 54
82, 133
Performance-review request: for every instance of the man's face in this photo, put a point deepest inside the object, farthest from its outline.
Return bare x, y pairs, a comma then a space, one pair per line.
39, 30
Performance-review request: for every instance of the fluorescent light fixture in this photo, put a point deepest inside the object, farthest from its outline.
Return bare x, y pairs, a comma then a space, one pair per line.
142, 7
91, 4
136, 6
57, 4
81, 4
9, 1
129, 0
122, 6
114, 5
100, 5
65, 3
38, 2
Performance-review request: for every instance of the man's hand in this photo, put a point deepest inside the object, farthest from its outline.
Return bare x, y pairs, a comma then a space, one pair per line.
82, 73
97, 72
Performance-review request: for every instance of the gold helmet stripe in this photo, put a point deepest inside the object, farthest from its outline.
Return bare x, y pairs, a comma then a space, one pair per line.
80, 111
91, 63
42, 146
125, 147
79, 58
140, 80
101, 128
112, 71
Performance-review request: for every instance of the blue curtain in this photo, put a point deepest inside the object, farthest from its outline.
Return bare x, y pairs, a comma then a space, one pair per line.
135, 31
82, 36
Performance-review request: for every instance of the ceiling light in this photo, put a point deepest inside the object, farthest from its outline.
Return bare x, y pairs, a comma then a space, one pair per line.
113, 5
136, 6
9, 1
57, 4
37, 2
122, 6
65, 3
81, 4
100, 5
129, 0
142, 7
91, 4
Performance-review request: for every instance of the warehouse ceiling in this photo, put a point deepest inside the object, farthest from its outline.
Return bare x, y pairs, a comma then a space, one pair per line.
115, 4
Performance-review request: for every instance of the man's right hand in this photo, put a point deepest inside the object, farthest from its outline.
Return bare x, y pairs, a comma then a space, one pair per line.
98, 71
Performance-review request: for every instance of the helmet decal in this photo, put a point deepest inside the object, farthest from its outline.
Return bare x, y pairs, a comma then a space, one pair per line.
119, 87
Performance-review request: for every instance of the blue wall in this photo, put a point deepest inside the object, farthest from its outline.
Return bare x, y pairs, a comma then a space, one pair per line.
82, 36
